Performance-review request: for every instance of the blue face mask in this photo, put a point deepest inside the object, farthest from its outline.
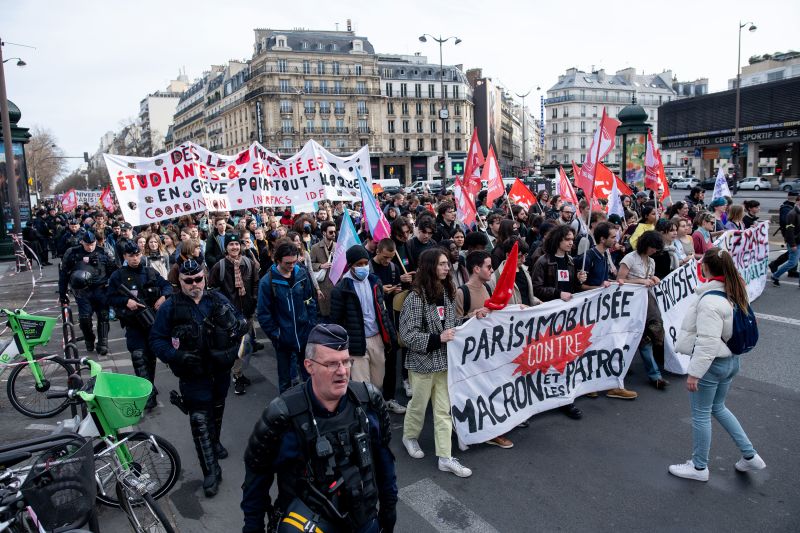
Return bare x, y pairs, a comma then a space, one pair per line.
361, 272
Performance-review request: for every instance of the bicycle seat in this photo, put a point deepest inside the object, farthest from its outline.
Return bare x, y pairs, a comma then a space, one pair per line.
9, 459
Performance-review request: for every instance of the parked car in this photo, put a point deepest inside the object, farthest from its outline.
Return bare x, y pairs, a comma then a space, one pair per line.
755, 183
685, 183
419, 187
793, 185
390, 186
708, 184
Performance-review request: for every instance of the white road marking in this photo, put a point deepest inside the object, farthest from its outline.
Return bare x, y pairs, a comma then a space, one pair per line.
776, 318
435, 505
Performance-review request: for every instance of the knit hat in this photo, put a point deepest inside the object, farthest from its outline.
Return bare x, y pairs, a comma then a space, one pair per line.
231, 237
717, 202
356, 253
615, 219
331, 336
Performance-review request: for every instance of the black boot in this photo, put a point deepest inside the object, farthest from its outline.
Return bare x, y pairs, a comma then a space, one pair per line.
102, 336
88, 332
219, 449
202, 431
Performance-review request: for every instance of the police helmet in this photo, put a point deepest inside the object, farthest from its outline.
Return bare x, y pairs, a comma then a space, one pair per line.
80, 279
298, 517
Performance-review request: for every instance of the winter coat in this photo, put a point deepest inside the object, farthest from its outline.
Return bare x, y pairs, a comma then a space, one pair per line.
246, 304
286, 312
346, 311
544, 278
420, 331
707, 325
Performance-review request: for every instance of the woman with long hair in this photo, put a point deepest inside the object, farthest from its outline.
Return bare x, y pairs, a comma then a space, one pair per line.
707, 326
157, 257
735, 217
684, 237
427, 323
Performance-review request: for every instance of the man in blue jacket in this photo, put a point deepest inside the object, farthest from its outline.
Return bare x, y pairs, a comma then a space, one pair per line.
287, 310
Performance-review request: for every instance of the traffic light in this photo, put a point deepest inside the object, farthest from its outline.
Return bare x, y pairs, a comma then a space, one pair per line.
440, 163
456, 168
735, 150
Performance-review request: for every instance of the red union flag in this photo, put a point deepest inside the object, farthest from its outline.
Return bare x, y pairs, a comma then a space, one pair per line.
472, 168
494, 179
602, 144
465, 206
651, 164
662, 179
605, 181
521, 195
106, 200
505, 284
565, 188
70, 200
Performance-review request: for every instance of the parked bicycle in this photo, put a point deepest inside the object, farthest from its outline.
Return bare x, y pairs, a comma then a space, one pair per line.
32, 375
132, 469
54, 493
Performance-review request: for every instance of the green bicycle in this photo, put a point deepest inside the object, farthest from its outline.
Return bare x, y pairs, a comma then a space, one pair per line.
32, 376
132, 469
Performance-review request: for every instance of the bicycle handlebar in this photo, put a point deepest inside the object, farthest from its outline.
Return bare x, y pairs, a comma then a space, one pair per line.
53, 395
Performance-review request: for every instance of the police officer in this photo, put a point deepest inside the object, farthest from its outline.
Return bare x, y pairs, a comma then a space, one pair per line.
86, 270
327, 440
198, 334
70, 238
136, 292
125, 235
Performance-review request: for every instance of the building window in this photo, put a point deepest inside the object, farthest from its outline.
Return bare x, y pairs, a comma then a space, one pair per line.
555, 147
583, 142
286, 125
392, 146
446, 145
341, 144
306, 64
324, 106
282, 67
583, 158
444, 87
390, 108
404, 108
433, 109
335, 66
337, 87
406, 145
308, 87
418, 90
457, 110
405, 126
419, 126
340, 125
323, 86
455, 91
433, 145
419, 108
320, 67
287, 144
555, 129
286, 106
458, 145
566, 127
389, 89
566, 143
420, 145
325, 125
361, 87
326, 143
594, 111
283, 86
583, 126
358, 69
446, 126
391, 126
555, 112
309, 125
362, 108
566, 111
583, 110
433, 126
403, 90
304, 45
430, 90
362, 126
458, 126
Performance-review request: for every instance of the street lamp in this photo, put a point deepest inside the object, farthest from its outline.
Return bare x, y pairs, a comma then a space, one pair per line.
443, 113
524, 141
751, 29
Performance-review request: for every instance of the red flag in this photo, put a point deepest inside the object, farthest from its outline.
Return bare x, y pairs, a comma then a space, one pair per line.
565, 188
604, 182
472, 169
69, 201
651, 165
505, 284
465, 206
662, 178
106, 200
521, 195
602, 143
491, 173
596, 205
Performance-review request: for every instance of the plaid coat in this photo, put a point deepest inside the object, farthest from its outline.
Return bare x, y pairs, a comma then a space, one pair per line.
420, 328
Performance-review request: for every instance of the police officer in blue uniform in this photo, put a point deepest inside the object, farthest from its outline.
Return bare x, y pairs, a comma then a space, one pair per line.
70, 238
136, 292
327, 441
86, 270
198, 333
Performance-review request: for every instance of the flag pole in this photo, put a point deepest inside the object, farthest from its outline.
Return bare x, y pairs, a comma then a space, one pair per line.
594, 179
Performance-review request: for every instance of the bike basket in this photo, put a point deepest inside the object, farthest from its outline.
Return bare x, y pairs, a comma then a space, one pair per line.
36, 329
121, 397
61, 486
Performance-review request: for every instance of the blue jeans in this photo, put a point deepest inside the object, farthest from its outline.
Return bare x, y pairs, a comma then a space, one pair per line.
650, 362
290, 366
790, 263
710, 400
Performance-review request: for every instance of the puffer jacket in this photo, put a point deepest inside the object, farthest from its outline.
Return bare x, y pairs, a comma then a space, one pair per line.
707, 325
346, 311
286, 313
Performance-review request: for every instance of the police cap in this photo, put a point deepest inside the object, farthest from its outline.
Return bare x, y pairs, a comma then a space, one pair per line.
330, 335
89, 237
130, 248
190, 267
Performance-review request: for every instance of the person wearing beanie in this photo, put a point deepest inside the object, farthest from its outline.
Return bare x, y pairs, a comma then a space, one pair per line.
357, 304
719, 207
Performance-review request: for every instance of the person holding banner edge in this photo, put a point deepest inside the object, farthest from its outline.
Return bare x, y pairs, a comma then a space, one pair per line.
713, 366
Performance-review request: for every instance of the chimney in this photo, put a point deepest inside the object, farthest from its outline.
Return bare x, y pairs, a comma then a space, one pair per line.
349, 25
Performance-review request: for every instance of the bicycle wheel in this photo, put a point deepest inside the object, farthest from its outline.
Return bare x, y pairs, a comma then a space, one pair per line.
144, 514
30, 399
164, 471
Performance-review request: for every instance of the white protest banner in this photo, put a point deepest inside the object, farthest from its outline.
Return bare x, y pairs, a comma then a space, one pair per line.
750, 251
88, 197
674, 296
190, 178
517, 362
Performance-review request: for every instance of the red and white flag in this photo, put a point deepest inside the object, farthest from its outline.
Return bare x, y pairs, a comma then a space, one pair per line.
472, 168
666, 195
465, 206
69, 201
106, 200
651, 165
521, 195
564, 188
494, 179
605, 181
602, 144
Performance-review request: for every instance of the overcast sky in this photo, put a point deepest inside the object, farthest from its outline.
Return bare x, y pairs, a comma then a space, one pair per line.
95, 60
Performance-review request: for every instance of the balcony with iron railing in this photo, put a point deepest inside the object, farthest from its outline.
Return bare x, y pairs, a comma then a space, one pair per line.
286, 110
626, 99
327, 131
362, 111
288, 131
313, 71
362, 129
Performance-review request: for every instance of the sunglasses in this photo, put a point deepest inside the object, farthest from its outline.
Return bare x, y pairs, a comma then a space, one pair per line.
192, 281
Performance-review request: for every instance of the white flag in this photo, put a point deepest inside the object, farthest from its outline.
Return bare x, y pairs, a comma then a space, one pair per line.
615, 202
721, 186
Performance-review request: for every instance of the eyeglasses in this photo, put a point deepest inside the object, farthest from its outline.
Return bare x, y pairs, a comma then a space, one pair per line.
333, 366
193, 281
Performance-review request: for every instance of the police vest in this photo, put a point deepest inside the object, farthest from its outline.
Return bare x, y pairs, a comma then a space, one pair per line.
339, 480
147, 293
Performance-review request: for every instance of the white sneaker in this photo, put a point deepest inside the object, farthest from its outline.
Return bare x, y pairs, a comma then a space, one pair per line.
413, 449
688, 471
745, 465
407, 388
451, 464
395, 407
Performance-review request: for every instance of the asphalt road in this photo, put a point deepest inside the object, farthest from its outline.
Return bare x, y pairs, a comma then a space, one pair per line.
607, 472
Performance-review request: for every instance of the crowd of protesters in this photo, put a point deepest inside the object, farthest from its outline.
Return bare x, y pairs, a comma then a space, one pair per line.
401, 298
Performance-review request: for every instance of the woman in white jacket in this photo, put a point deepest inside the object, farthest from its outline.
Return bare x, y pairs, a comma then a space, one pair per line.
704, 332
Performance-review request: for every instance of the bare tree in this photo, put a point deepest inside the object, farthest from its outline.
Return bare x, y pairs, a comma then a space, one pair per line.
44, 158
98, 179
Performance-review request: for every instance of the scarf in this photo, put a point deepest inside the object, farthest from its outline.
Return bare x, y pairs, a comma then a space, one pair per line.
237, 276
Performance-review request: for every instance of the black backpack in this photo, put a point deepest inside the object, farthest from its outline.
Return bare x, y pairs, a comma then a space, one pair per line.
783, 216
745, 327
468, 298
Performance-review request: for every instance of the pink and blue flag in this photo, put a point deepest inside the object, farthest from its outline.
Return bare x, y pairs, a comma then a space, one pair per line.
376, 220
348, 237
